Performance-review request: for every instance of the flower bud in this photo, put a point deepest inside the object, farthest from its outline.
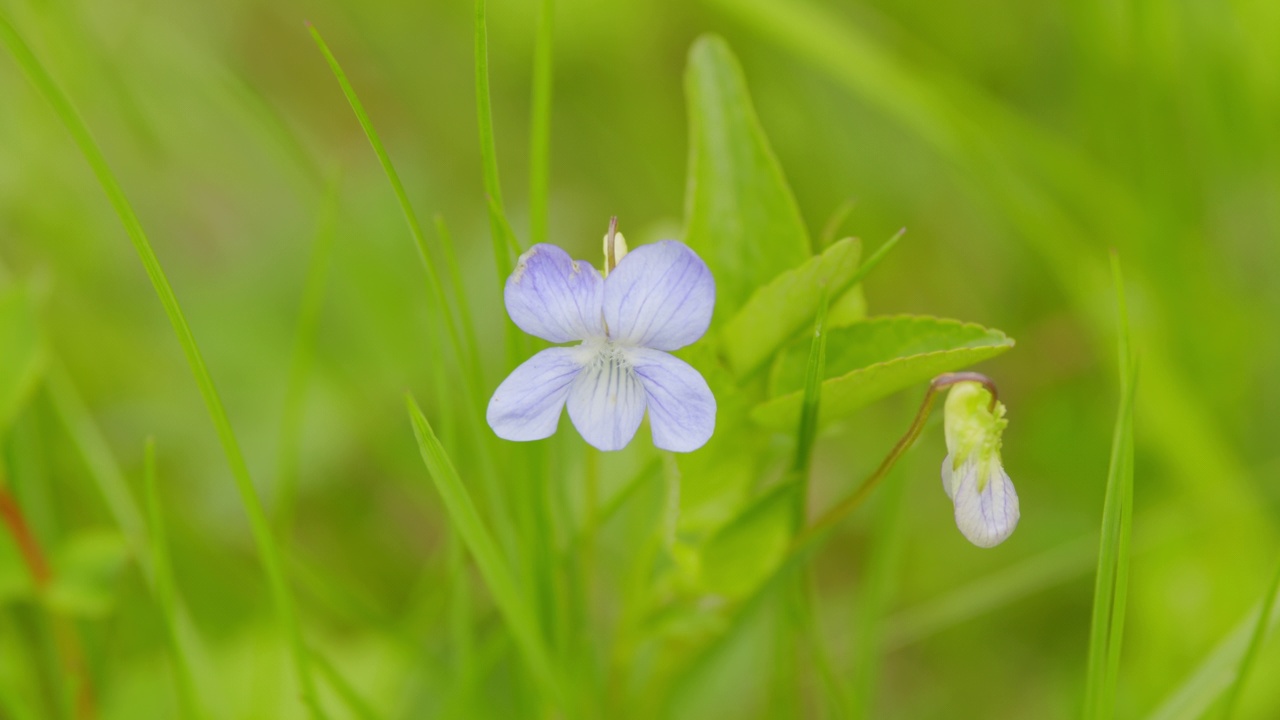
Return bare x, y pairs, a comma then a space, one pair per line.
615, 247
972, 474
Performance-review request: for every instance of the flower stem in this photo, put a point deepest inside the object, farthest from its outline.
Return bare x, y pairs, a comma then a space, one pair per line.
832, 517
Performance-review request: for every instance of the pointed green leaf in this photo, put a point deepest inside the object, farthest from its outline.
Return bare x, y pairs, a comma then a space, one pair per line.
777, 312
784, 307
512, 604
740, 215
873, 359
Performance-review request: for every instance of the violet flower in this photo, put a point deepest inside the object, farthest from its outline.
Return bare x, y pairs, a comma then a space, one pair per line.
658, 298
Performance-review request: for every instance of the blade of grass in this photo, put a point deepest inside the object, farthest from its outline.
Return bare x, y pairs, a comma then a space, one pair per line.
1255, 646
488, 148
532, 490
165, 592
304, 341
268, 552
834, 223
540, 123
351, 697
807, 431
518, 614
802, 614
1196, 695
472, 388
1112, 580
455, 279
406, 208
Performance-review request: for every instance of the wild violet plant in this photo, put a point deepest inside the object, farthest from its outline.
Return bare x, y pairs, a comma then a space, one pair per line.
748, 278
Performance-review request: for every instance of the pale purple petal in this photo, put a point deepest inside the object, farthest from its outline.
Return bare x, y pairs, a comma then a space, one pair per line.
948, 476
555, 297
682, 410
986, 504
606, 402
660, 296
527, 405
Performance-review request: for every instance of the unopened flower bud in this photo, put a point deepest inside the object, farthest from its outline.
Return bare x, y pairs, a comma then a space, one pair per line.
972, 474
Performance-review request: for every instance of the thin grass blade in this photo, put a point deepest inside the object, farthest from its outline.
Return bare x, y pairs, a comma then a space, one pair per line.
351, 697
1112, 580
165, 591
1255, 646
397, 187
540, 123
519, 615
1214, 675
503, 260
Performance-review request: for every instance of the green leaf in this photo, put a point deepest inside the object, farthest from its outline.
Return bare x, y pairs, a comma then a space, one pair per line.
21, 353
740, 215
777, 312
781, 309
873, 359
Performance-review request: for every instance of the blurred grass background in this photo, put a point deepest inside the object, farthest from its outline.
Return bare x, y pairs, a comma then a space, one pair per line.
1017, 143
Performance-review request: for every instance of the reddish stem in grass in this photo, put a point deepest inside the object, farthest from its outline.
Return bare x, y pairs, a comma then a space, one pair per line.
27, 544
67, 640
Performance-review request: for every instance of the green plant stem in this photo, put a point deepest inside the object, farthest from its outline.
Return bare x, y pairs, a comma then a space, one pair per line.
834, 516
164, 589
540, 123
488, 147
267, 550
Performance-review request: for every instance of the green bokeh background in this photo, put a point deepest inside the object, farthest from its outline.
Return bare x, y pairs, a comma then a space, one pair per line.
1017, 142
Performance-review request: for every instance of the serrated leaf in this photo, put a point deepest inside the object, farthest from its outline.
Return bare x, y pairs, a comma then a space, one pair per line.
784, 307
740, 215
875, 358
21, 355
